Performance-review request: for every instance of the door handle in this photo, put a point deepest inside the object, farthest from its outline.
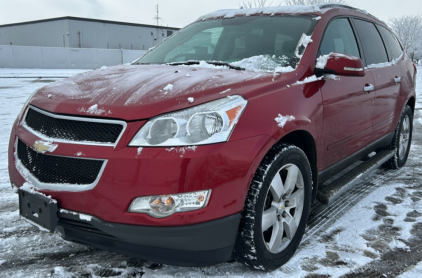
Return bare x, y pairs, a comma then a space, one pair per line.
397, 79
368, 88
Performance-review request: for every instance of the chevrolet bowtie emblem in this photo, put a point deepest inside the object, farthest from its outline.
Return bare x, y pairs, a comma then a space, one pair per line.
43, 147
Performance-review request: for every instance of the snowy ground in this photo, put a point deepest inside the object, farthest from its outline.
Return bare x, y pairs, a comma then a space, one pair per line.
376, 229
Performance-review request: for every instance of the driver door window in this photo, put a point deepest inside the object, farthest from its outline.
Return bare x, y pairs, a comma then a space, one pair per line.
339, 37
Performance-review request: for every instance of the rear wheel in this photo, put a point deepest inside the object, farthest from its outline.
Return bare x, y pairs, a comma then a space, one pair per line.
276, 210
402, 140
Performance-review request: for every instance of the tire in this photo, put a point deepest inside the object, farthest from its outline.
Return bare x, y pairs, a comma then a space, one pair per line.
276, 209
402, 140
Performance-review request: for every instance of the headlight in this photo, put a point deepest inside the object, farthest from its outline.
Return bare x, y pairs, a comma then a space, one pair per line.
208, 123
166, 205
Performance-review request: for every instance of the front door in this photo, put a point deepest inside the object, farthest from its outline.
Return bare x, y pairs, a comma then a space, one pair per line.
347, 106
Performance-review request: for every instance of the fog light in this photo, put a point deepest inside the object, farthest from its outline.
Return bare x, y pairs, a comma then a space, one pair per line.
166, 205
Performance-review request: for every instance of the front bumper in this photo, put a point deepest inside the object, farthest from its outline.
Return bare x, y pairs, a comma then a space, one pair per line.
226, 168
192, 245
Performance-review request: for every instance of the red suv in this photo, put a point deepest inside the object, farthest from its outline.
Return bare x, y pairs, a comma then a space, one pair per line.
214, 144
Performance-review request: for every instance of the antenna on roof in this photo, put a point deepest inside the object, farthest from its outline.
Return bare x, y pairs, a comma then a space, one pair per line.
157, 18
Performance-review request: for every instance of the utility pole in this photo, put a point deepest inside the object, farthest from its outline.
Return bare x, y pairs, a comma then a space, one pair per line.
157, 17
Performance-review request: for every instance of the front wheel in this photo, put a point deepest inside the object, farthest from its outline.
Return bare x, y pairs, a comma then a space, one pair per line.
276, 209
402, 140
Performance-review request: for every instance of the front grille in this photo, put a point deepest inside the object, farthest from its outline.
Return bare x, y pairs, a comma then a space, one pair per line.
57, 169
56, 127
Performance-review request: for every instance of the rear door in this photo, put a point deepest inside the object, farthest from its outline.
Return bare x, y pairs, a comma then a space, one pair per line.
347, 107
385, 71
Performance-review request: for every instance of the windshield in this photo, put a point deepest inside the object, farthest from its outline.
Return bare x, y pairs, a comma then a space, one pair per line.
259, 43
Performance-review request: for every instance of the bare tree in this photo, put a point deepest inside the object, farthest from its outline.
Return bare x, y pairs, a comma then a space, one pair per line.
314, 2
409, 30
258, 4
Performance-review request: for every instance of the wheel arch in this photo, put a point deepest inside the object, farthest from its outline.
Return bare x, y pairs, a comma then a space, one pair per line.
411, 102
305, 141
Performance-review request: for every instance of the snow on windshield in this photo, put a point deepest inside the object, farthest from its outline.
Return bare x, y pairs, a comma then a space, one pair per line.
264, 63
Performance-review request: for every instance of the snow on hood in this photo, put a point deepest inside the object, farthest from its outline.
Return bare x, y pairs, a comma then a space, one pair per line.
142, 91
265, 11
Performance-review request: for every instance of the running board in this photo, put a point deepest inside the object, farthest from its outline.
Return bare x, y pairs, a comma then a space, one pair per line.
328, 194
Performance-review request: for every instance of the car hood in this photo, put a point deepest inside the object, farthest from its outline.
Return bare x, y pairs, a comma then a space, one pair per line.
134, 92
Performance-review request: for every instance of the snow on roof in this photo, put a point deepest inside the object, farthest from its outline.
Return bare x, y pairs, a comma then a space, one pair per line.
267, 11
311, 9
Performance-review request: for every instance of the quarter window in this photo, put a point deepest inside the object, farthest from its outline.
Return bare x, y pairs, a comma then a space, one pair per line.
393, 46
373, 46
339, 37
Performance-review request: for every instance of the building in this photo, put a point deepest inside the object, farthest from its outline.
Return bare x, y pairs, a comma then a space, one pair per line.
75, 32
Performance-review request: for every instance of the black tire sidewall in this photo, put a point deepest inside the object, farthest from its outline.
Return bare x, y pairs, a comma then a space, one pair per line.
406, 112
298, 158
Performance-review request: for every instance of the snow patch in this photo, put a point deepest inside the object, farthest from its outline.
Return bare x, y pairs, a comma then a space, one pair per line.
263, 11
85, 217
383, 65
225, 91
80, 154
28, 187
322, 61
94, 110
282, 120
309, 79
182, 150
139, 151
283, 69
82, 216
191, 99
168, 88
304, 41
264, 63
316, 18
103, 68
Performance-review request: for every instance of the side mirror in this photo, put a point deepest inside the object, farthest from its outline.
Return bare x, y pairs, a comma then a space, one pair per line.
339, 64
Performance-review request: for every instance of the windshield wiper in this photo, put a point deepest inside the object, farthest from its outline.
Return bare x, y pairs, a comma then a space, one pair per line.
215, 63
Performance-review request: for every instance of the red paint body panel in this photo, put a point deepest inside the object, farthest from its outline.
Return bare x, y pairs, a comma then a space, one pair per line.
338, 114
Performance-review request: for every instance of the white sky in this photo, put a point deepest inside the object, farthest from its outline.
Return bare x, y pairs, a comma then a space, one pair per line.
174, 13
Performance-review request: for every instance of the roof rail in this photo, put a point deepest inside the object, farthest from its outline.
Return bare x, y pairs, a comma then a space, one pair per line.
333, 5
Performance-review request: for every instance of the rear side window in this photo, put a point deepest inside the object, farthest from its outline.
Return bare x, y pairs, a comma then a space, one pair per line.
339, 37
393, 46
373, 46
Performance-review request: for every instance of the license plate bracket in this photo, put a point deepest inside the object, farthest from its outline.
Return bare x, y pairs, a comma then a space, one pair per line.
38, 209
